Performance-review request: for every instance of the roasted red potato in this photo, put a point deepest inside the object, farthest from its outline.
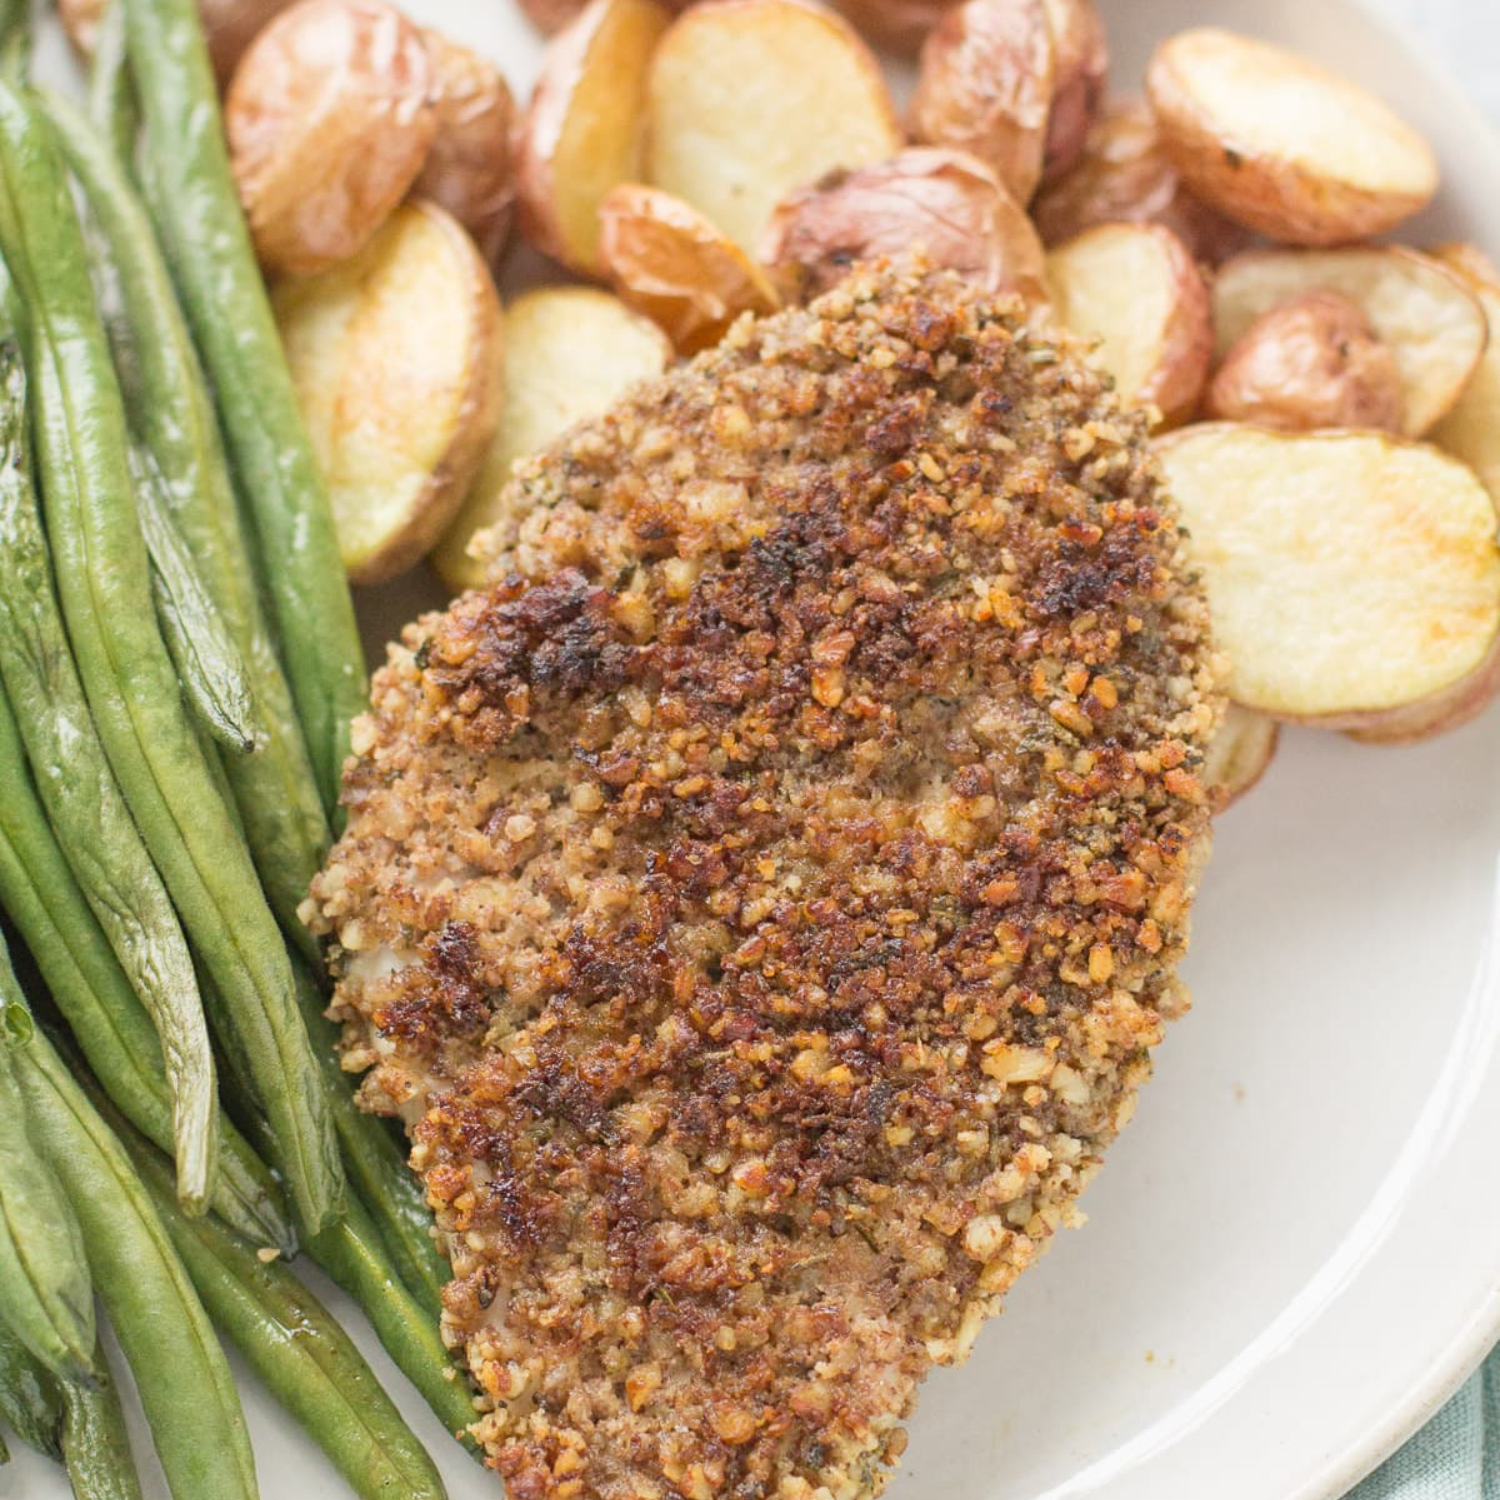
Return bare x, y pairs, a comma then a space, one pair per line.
1309, 363
1125, 176
669, 263
1422, 311
985, 86
470, 169
944, 204
1282, 145
1354, 577
1136, 288
583, 132
398, 363
229, 25
1080, 52
330, 118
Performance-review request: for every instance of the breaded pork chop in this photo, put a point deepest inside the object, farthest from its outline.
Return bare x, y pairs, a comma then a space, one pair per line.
761, 902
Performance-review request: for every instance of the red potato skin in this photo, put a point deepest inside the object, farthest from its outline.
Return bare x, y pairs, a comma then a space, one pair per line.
470, 170
1437, 714
329, 118
946, 204
1081, 62
896, 26
1187, 352
1125, 176
1312, 362
985, 86
671, 265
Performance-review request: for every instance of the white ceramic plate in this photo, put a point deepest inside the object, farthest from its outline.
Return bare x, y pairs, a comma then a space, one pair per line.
1294, 1254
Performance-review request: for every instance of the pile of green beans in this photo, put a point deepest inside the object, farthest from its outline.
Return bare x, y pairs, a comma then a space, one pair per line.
172, 600
85, 804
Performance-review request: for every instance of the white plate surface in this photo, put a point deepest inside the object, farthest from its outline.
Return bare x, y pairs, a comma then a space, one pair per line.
1294, 1254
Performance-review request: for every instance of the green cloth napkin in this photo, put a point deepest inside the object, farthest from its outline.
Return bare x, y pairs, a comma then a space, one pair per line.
1456, 1456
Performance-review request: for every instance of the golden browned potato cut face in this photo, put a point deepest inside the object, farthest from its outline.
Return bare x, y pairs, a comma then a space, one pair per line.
397, 360
761, 901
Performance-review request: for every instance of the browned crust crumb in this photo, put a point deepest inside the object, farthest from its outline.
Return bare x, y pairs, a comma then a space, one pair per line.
762, 901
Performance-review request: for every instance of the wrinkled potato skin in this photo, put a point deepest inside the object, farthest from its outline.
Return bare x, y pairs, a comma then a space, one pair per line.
1124, 176
1312, 362
947, 202
896, 26
329, 119
667, 262
230, 25
985, 86
1081, 66
470, 170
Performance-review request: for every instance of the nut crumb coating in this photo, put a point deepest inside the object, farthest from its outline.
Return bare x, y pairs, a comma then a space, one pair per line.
760, 902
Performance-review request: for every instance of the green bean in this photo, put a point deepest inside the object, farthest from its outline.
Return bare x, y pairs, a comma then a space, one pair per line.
376, 1170
31, 1403
173, 416
215, 680
104, 577
353, 1255
208, 245
45, 1288
181, 1374
299, 1352
41, 897
111, 93
84, 800
95, 1443
81, 1425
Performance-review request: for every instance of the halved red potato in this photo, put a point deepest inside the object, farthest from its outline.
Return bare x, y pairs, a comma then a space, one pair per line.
569, 353
584, 130
329, 118
1080, 51
1432, 322
1238, 755
229, 26
397, 360
1309, 363
985, 86
1353, 577
469, 170
752, 98
1471, 431
1281, 144
669, 263
1124, 176
1137, 289
944, 204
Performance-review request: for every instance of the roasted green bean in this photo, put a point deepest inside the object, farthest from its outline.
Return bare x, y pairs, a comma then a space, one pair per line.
86, 806
95, 1444
172, 414
40, 895
31, 1403
208, 245
45, 1290
299, 1352
183, 1379
215, 680
104, 577
388, 1187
